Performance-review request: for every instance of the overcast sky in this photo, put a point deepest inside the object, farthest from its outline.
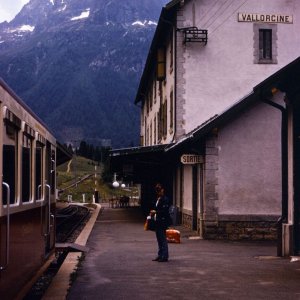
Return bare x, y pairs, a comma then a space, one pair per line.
9, 8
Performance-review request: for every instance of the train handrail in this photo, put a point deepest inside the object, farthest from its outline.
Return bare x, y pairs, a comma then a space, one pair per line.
49, 210
39, 191
52, 167
53, 220
7, 226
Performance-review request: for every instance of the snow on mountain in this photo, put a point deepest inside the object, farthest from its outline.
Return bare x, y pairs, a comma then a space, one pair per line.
144, 23
22, 28
83, 58
85, 14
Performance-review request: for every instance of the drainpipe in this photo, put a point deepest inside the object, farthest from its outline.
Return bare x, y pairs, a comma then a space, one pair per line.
175, 81
284, 173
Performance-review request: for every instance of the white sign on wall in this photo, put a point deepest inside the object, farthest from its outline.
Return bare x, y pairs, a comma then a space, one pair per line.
190, 159
265, 18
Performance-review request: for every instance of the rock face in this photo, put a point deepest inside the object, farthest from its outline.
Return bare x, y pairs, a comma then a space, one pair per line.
77, 64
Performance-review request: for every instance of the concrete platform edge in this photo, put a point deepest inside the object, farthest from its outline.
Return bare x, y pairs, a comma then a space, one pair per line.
59, 286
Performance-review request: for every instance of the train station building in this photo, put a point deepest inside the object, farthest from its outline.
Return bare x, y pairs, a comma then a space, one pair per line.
218, 98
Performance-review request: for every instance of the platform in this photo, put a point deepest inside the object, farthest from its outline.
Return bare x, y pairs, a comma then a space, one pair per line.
119, 266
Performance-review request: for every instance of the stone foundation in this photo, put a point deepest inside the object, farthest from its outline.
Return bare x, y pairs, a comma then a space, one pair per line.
187, 220
255, 228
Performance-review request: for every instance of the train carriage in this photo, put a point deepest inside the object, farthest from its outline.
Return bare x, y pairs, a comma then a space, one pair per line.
28, 158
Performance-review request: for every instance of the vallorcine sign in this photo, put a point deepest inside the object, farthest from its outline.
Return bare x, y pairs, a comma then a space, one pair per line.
190, 159
265, 18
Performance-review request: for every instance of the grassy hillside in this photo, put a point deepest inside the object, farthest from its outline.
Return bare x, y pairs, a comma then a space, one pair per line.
70, 173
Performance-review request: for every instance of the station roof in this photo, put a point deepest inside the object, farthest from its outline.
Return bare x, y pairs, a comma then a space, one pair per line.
62, 154
135, 154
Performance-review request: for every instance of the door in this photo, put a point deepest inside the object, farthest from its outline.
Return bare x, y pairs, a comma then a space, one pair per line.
50, 187
195, 198
296, 126
9, 183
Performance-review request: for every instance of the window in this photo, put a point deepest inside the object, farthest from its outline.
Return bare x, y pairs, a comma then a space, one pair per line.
265, 43
165, 118
12, 125
27, 163
147, 104
50, 167
151, 133
145, 131
142, 140
150, 96
10, 147
161, 64
155, 134
171, 110
171, 51
26, 168
39, 168
159, 124
154, 90
142, 112
147, 136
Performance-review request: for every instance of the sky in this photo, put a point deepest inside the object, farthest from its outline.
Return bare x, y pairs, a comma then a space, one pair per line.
9, 9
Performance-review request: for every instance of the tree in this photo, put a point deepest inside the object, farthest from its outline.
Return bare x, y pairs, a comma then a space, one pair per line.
70, 149
83, 149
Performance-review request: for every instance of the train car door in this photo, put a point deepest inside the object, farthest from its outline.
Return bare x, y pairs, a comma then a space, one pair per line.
9, 182
50, 187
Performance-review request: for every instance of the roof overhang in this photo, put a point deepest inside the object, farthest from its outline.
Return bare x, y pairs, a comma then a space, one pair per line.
138, 154
214, 122
287, 80
139, 164
173, 3
62, 154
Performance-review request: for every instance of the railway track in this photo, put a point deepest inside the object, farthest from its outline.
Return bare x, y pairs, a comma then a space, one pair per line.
76, 183
68, 220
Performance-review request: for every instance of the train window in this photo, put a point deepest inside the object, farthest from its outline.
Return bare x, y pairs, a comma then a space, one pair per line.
39, 166
10, 161
50, 167
53, 170
26, 168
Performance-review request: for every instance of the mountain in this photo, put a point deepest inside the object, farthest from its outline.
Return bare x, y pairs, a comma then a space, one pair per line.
77, 64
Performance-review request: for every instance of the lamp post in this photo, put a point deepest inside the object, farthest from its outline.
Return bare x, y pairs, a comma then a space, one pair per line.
115, 183
75, 159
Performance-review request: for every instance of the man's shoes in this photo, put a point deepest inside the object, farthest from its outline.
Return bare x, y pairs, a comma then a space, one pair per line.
156, 258
162, 260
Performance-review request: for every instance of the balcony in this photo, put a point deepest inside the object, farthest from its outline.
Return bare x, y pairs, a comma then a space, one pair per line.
193, 34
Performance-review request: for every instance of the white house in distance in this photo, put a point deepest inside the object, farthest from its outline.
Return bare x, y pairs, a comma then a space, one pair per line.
211, 122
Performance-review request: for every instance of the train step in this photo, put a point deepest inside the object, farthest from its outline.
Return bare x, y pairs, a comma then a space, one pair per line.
71, 247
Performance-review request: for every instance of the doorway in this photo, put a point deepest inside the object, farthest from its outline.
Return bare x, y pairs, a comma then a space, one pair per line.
195, 198
296, 127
